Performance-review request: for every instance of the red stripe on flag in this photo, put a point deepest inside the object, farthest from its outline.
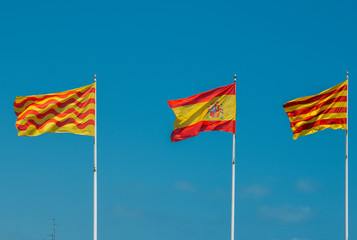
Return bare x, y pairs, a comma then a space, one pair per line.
320, 123
74, 101
193, 130
326, 111
204, 97
71, 92
60, 114
59, 124
316, 107
315, 98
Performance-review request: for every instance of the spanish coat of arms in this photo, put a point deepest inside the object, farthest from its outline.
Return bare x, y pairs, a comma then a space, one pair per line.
215, 110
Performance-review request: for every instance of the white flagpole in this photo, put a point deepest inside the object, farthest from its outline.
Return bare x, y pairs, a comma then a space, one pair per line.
233, 177
346, 170
95, 165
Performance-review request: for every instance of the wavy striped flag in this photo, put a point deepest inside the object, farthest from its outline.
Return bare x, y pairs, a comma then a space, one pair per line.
327, 109
71, 111
214, 110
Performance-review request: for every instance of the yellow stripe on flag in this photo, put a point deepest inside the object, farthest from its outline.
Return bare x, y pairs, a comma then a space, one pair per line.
191, 114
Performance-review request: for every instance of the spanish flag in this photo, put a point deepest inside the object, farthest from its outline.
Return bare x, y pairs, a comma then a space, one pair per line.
327, 109
214, 110
71, 111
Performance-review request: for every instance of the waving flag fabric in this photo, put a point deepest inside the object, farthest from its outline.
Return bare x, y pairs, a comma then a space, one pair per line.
327, 109
214, 110
71, 111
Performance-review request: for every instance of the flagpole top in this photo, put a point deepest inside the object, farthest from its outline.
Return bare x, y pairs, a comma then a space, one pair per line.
95, 77
235, 77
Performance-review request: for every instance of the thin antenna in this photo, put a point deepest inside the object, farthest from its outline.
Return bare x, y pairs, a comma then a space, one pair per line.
53, 235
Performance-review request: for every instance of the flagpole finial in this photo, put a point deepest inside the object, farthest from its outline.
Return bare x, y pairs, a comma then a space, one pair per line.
235, 77
95, 77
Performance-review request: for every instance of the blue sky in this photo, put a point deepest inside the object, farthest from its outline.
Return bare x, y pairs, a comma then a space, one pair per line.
144, 54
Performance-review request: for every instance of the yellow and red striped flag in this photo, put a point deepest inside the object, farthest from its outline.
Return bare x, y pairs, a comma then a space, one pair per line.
71, 111
214, 110
327, 109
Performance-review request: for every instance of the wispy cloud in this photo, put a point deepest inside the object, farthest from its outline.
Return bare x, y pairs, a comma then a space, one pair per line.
126, 212
306, 186
185, 186
286, 213
10, 236
254, 191
294, 238
188, 187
